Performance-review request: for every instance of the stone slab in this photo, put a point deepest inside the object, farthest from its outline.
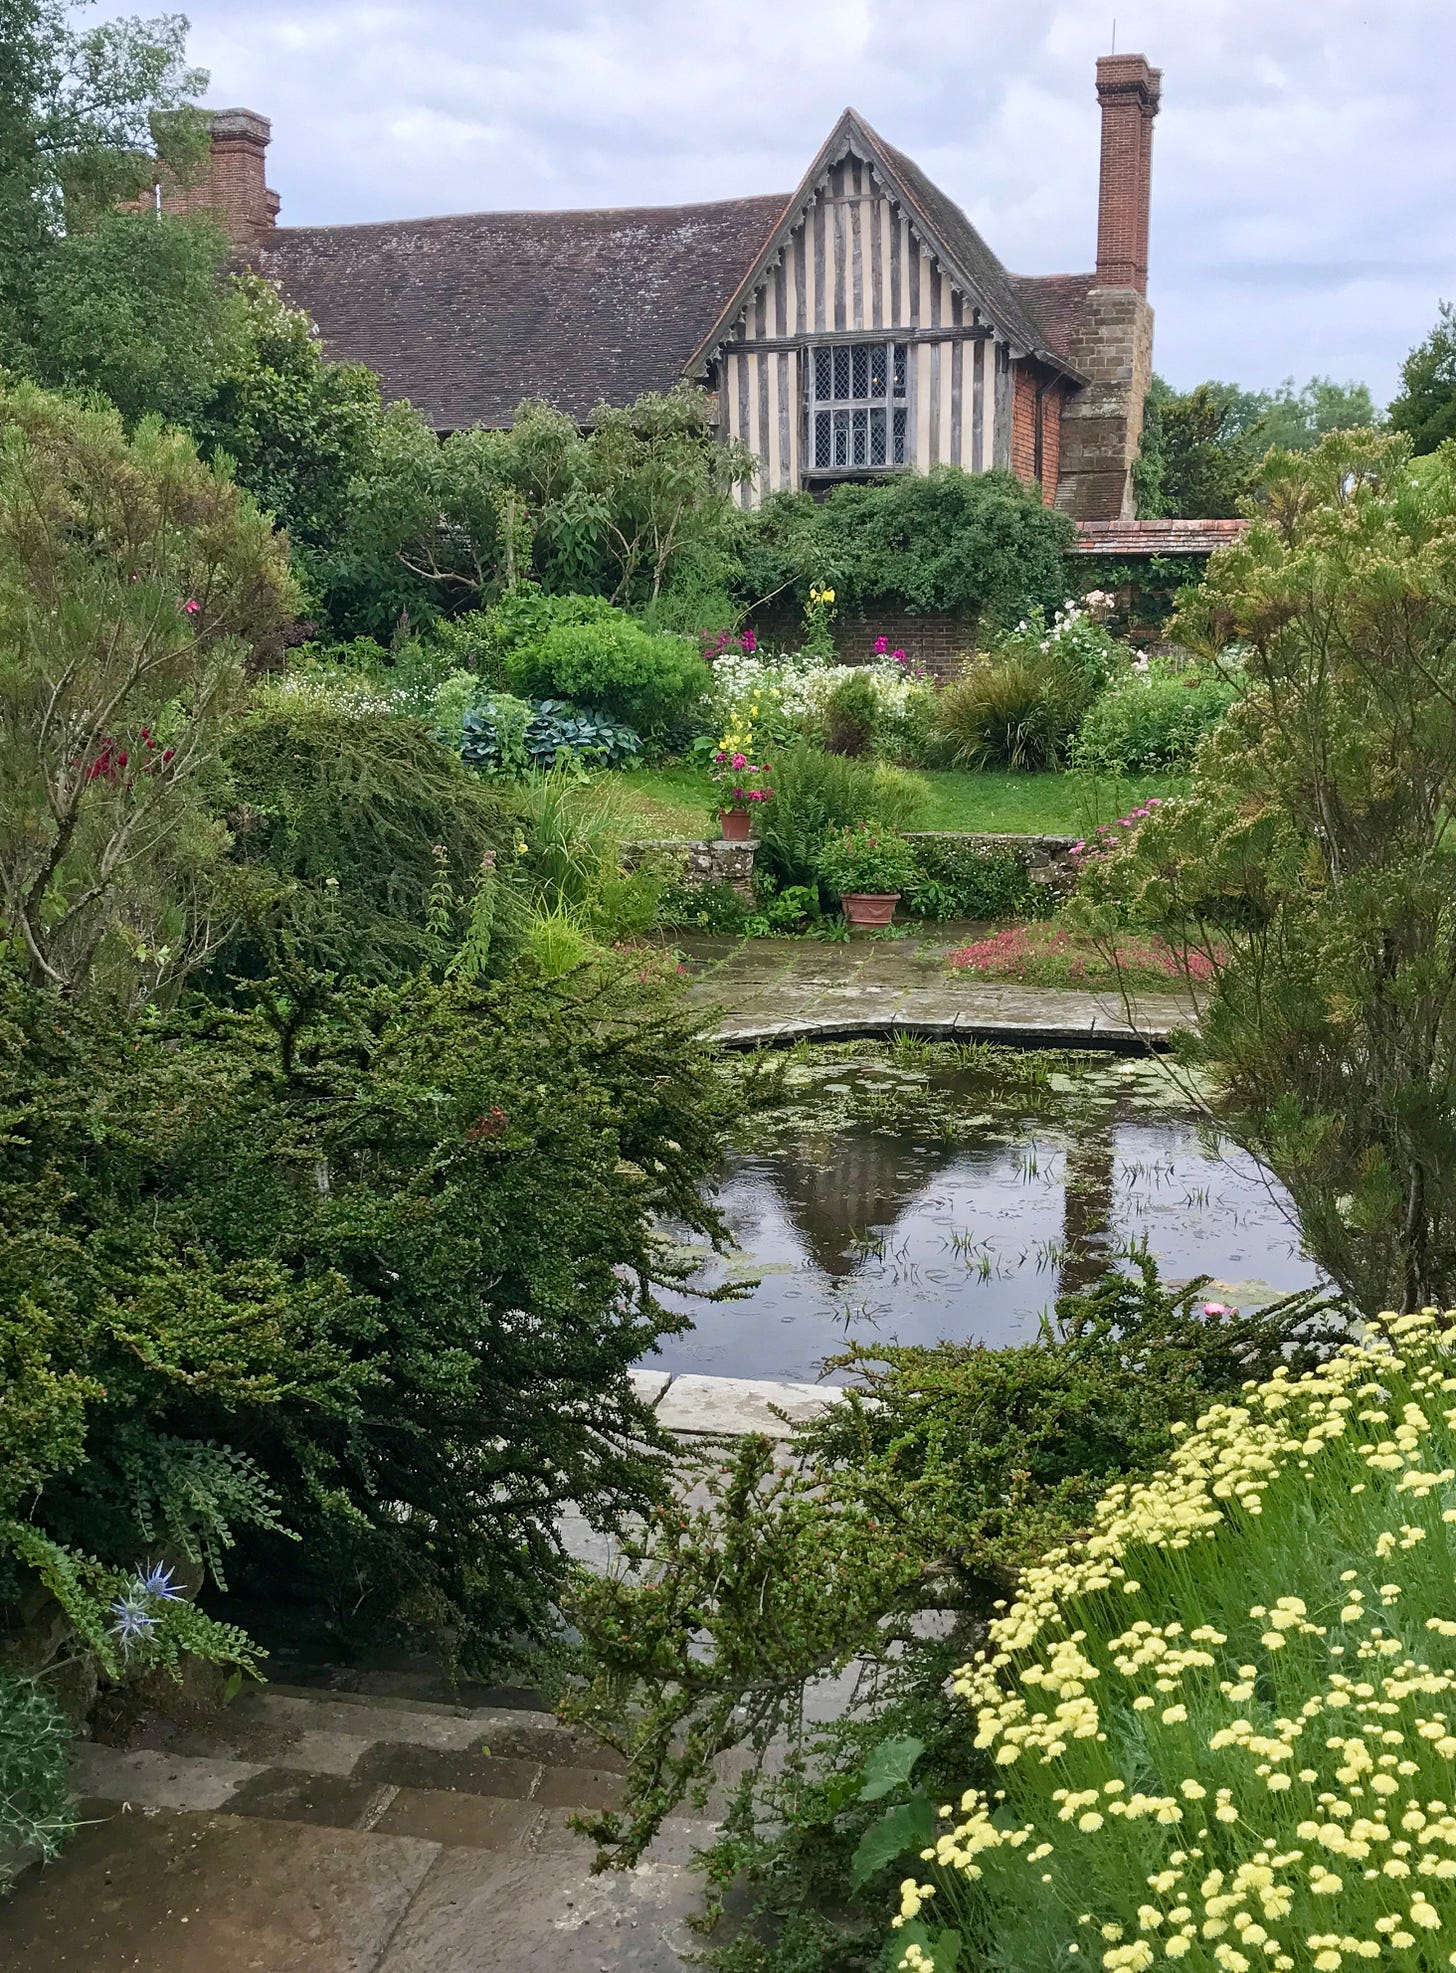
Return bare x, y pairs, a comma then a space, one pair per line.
472, 1822
150, 1779
215, 1894
484, 1912
449, 1729
405, 1765
736, 1405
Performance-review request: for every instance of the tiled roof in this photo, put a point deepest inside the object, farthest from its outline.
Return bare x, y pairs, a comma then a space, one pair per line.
467, 315
1055, 302
1155, 537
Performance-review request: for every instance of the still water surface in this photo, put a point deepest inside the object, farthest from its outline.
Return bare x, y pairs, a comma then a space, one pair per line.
914, 1195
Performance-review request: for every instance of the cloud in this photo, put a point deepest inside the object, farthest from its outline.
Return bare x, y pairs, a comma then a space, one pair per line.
1301, 170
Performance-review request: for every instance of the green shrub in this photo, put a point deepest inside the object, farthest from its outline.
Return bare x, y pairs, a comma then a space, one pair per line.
1020, 710
866, 859
613, 665
959, 879
816, 792
851, 715
365, 1263
1153, 720
36, 1811
713, 907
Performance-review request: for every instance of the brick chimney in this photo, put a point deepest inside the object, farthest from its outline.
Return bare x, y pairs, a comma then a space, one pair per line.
1112, 341
231, 185
1128, 91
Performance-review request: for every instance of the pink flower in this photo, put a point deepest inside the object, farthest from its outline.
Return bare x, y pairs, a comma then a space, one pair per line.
1215, 1308
898, 656
882, 644
1125, 823
1155, 801
749, 642
191, 606
740, 760
1077, 848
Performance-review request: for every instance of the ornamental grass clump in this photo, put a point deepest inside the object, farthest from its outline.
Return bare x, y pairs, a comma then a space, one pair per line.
1221, 1730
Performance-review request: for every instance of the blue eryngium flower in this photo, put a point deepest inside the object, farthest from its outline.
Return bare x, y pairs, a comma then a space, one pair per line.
134, 1622
158, 1582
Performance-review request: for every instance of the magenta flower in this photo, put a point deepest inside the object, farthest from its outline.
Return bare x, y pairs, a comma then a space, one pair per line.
882, 644
191, 606
1077, 848
749, 642
1215, 1308
740, 760
898, 656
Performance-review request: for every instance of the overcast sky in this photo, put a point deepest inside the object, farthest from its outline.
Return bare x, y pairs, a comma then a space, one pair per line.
1304, 165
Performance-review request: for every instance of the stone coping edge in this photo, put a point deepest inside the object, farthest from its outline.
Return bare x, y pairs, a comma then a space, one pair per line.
958, 1027
689, 1405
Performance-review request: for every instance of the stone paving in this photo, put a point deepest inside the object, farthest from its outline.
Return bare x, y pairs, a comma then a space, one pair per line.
766, 990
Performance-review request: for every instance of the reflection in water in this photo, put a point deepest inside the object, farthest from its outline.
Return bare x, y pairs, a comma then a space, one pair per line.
945, 1210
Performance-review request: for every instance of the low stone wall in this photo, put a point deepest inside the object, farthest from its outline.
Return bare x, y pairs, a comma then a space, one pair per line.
701, 863
1047, 859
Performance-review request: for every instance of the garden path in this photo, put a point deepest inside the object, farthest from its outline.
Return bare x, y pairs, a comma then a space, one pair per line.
769, 990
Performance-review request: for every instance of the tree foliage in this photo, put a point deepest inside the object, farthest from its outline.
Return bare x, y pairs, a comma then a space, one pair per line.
136, 307
297, 427
1425, 405
84, 113
437, 528
1313, 865
136, 588
1198, 455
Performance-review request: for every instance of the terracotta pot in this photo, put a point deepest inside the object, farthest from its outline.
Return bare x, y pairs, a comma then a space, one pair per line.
869, 907
737, 824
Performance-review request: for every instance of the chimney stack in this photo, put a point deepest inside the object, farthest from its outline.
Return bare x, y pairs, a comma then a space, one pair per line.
1128, 91
231, 186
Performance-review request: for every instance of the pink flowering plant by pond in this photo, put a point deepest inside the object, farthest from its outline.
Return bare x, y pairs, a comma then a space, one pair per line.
1221, 1731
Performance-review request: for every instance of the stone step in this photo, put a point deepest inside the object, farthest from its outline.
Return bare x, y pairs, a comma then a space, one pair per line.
180, 1893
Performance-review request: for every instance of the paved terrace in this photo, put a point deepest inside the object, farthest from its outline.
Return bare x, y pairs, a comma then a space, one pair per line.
765, 991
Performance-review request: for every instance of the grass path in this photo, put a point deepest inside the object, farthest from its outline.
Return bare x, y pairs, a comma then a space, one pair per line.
673, 801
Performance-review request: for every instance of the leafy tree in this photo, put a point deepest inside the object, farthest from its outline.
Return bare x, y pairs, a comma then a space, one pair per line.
83, 115
1295, 420
1425, 405
136, 307
297, 427
136, 586
1313, 865
1199, 452
440, 528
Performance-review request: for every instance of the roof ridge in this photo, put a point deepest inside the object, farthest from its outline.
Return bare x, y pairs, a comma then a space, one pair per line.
529, 212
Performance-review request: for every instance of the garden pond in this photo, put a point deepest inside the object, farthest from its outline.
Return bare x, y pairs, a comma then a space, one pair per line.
920, 1192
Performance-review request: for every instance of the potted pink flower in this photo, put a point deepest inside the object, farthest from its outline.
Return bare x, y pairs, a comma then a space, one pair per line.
871, 868
743, 786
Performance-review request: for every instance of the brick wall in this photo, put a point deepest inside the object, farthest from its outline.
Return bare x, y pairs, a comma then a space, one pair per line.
1023, 423
938, 640
1051, 442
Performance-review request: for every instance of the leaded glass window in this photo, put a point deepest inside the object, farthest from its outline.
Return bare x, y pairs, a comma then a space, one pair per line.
858, 405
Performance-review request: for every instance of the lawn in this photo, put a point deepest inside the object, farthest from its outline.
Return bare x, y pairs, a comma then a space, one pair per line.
673, 801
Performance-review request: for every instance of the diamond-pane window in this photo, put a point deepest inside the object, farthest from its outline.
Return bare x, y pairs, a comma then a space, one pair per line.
858, 405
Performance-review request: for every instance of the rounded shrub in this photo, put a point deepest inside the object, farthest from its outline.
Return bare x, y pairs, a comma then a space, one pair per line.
613, 665
1154, 719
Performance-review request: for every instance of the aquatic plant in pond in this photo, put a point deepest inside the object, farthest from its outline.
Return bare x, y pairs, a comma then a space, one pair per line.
1221, 1729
